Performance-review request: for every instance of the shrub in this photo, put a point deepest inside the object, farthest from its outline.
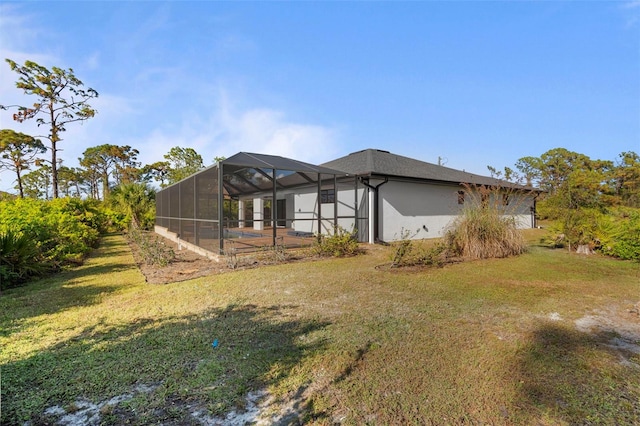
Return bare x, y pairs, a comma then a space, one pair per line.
408, 253
64, 230
152, 249
340, 243
620, 236
136, 202
20, 259
404, 250
579, 227
484, 229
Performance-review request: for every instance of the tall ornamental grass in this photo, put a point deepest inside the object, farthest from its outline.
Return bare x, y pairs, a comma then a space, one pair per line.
485, 228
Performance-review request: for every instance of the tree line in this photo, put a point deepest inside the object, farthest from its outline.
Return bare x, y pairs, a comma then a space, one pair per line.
587, 204
60, 100
101, 168
573, 180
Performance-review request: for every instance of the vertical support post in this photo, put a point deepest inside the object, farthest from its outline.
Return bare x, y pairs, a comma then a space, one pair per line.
258, 214
319, 204
220, 208
196, 234
240, 213
274, 209
372, 218
180, 210
335, 203
355, 207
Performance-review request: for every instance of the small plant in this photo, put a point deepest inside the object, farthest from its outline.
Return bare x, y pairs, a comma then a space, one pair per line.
280, 250
152, 249
435, 256
340, 243
407, 253
403, 249
276, 253
230, 253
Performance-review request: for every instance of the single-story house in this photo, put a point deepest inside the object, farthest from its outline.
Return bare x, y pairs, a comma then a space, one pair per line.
251, 201
418, 197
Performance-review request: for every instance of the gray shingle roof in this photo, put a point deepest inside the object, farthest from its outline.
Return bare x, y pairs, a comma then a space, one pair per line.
370, 162
250, 159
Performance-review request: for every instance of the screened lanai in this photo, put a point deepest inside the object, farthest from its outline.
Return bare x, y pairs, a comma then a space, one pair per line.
252, 201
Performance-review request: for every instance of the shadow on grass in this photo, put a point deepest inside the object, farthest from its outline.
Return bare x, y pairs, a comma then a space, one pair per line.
80, 286
173, 358
574, 377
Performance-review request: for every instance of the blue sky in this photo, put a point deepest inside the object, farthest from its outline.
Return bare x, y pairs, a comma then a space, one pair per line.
474, 83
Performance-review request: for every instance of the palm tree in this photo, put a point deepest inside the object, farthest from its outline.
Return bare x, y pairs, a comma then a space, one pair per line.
135, 200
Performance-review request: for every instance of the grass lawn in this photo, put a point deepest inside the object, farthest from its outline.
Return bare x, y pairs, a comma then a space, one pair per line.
545, 338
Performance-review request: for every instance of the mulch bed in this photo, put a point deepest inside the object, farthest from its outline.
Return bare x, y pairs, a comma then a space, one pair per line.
188, 265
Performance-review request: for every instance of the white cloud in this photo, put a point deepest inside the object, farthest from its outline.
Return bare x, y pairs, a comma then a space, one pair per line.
18, 29
161, 106
92, 62
633, 8
268, 131
228, 131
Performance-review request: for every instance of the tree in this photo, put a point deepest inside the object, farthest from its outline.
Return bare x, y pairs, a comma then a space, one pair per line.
99, 160
508, 174
126, 167
70, 179
60, 101
625, 179
158, 171
136, 200
17, 152
530, 169
37, 183
111, 160
581, 192
183, 162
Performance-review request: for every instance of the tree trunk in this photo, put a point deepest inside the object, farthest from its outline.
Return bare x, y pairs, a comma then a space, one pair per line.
20, 183
584, 249
54, 169
54, 150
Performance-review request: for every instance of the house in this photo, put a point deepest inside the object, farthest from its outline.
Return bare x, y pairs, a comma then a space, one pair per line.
419, 198
251, 201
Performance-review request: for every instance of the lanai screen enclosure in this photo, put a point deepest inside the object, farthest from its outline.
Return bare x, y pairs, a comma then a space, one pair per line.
251, 201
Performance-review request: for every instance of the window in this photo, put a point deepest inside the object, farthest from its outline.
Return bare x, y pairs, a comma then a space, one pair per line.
327, 196
460, 197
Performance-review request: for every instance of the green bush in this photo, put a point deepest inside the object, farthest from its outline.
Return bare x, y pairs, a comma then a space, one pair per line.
64, 230
136, 203
340, 243
20, 259
614, 232
408, 253
620, 236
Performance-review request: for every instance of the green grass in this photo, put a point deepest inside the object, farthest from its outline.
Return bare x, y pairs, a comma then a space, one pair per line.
468, 343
